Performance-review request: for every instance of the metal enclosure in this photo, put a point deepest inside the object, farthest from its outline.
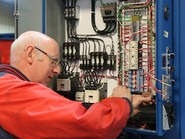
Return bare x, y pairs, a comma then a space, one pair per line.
178, 30
6, 16
162, 56
47, 17
30, 16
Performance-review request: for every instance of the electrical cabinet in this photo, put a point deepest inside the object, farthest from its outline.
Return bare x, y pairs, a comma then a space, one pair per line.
119, 42
122, 43
163, 53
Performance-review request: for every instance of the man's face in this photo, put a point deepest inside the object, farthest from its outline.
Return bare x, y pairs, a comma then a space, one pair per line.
49, 66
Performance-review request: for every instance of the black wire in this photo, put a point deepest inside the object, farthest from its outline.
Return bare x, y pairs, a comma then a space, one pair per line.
104, 49
85, 41
112, 48
94, 77
101, 32
99, 49
97, 39
65, 67
71, 22
110, 25
89, 47
83, 51
94, 45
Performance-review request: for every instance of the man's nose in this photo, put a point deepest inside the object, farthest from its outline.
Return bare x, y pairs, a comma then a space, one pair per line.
56, 69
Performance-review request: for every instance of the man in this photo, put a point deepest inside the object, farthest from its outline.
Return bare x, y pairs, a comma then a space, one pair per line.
30, 110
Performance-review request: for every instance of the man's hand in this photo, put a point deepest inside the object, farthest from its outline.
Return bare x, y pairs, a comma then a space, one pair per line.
137, 100
122, 91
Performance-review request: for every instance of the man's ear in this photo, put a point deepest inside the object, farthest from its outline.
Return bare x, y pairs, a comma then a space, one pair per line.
30, 54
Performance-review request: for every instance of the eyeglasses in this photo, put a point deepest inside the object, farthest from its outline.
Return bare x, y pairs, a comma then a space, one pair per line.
55, 60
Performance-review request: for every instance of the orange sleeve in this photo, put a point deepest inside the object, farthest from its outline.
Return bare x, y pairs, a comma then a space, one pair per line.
32, 111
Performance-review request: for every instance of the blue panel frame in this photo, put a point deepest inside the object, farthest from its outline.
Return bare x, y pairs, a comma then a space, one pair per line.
164, 39
180, 33
7, 36
178, 37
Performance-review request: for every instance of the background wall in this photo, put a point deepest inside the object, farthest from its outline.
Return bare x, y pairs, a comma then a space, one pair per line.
6, 16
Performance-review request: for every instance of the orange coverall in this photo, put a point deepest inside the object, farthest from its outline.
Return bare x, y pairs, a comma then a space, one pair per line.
32, 111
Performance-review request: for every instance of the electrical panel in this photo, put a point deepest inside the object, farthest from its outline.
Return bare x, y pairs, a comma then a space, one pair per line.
121, 42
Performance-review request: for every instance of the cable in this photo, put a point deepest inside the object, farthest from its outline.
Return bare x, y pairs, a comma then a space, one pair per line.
110, 25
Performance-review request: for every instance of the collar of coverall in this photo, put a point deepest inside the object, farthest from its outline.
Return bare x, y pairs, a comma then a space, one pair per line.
11, 70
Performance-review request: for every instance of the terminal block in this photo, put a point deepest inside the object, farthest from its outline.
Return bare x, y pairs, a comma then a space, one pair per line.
111, 62
98, 60
85, 62
72, 12
136, 80
71, 50
133, 55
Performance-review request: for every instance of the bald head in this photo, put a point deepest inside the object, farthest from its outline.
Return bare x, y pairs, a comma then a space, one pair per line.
34, 53
32, 38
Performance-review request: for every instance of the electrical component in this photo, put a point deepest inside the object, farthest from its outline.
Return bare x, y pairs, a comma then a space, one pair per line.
94, 86
63, 84
166, 61
111, 62
136, 80
98, 60
85, 62
71, 50
133, 55
135, 26
80, 96
166, 87
72, 12
140, 56
166, 12
129, 31
94, 93
108, 12
168, 116
92, 96
68, 84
